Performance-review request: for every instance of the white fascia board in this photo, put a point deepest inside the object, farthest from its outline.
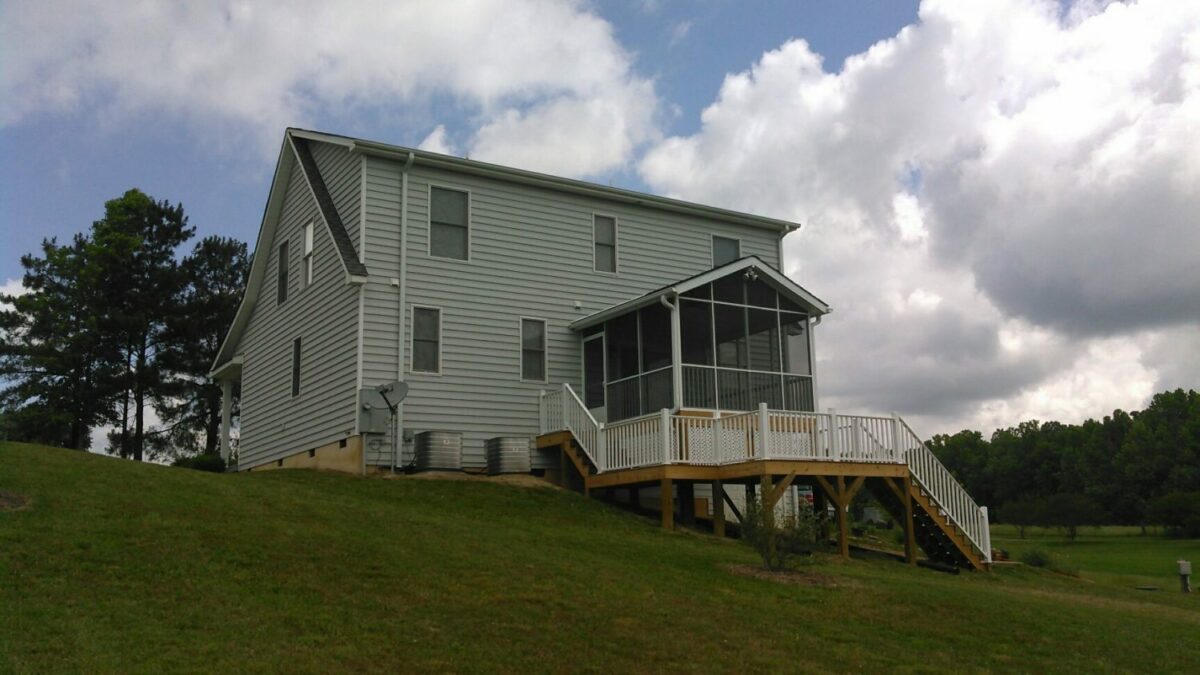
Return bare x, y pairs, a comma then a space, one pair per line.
778, 280
258, 266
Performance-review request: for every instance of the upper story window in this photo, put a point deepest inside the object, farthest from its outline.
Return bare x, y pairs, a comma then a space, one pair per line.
725, 250
426, 340
308, 254
281, 281
449, 230
604, 239
533, 350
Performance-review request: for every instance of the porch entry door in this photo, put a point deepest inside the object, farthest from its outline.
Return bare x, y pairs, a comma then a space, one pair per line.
593, 376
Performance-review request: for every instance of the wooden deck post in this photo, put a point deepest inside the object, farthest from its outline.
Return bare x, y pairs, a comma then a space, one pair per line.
687, 503
667, 503
910, 534
768, 514
718, 507
843, 518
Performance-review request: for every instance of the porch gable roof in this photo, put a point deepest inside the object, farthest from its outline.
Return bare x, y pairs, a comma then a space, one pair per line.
772, 276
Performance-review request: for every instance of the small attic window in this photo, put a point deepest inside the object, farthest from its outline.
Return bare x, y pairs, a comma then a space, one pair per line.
308, 254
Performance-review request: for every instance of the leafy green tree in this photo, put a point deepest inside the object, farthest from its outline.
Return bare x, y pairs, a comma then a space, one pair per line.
189, 404
1179, 512
1024, 512
1071, 511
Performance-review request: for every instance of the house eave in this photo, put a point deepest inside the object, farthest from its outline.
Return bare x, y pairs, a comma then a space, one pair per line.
547, 181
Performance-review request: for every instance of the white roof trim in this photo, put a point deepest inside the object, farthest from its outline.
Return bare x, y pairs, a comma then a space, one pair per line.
776, 278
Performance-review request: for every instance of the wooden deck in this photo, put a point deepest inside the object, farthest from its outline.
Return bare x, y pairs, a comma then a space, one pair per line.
838, 482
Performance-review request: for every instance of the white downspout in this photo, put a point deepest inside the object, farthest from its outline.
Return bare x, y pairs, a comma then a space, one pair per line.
676, 349
403, 283
812, 360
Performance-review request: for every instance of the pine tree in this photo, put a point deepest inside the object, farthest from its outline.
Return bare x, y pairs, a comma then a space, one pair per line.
190, 405
134, 252
51, 351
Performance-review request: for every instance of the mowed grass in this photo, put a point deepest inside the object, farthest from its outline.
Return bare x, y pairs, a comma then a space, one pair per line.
115, 566
1112, 555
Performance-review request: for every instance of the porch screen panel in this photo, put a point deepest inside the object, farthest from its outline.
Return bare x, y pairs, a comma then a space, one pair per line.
699, 387
622, 339
656, 337
733, 390
798, 393
730, 324
763, 339
766, 388
593, 372
657, 391
624, 399
795, 344
695, 326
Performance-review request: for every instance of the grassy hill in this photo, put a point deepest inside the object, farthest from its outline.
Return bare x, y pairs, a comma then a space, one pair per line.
112, 565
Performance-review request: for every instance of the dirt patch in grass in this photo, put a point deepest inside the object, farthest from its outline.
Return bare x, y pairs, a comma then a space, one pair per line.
10, 501
798, 577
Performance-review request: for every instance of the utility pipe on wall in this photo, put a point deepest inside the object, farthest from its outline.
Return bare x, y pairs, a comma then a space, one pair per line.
398, 425
676, 348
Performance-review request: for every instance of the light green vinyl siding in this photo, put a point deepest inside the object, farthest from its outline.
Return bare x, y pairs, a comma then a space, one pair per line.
323, 315
531, 256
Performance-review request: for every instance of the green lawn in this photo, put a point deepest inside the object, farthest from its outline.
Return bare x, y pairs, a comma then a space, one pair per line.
1112, 555
115, 566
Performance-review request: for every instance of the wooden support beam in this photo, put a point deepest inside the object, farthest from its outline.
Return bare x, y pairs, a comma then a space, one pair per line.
829, 491
779, 489
843, 518
732, 507
853, 490
896, 490
667, 503
718, 506
687, 503
910, 528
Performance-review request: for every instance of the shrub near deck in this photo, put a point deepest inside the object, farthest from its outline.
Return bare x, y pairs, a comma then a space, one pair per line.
115, 566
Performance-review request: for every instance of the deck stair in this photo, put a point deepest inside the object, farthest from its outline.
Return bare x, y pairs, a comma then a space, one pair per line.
880, 453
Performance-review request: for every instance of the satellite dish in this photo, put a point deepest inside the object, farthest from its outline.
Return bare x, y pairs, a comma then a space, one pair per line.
393, 392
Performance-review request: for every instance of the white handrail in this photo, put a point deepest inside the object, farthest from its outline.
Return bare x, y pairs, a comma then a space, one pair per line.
664, 438
947, 493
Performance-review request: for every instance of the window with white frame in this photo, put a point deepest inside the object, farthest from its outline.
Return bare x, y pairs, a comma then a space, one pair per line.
533, 350
449, 230
308, 254
426, 340
604, 239
725, 250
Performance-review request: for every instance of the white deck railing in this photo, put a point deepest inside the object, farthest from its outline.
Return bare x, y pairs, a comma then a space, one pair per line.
666, 438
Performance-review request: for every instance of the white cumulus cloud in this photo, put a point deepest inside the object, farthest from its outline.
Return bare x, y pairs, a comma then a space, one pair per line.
1000, 201
247, 70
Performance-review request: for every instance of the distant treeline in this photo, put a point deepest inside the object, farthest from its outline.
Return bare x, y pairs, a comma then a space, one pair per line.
117, 322
1135, 468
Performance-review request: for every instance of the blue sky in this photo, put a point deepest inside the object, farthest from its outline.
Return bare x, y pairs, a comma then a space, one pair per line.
60, 167
997, 196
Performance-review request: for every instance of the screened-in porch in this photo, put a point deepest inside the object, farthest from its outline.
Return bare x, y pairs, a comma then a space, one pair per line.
727, 340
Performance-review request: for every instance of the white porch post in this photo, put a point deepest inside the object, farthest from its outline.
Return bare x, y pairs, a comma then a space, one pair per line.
676, 356
226, 414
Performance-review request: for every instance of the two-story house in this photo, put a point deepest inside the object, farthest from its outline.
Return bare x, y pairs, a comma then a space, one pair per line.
637, 341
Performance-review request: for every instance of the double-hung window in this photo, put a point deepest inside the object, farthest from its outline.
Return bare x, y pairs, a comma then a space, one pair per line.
604, 239
533, 350
449, 231
308, 254
426, 340
725, 250
281, 281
